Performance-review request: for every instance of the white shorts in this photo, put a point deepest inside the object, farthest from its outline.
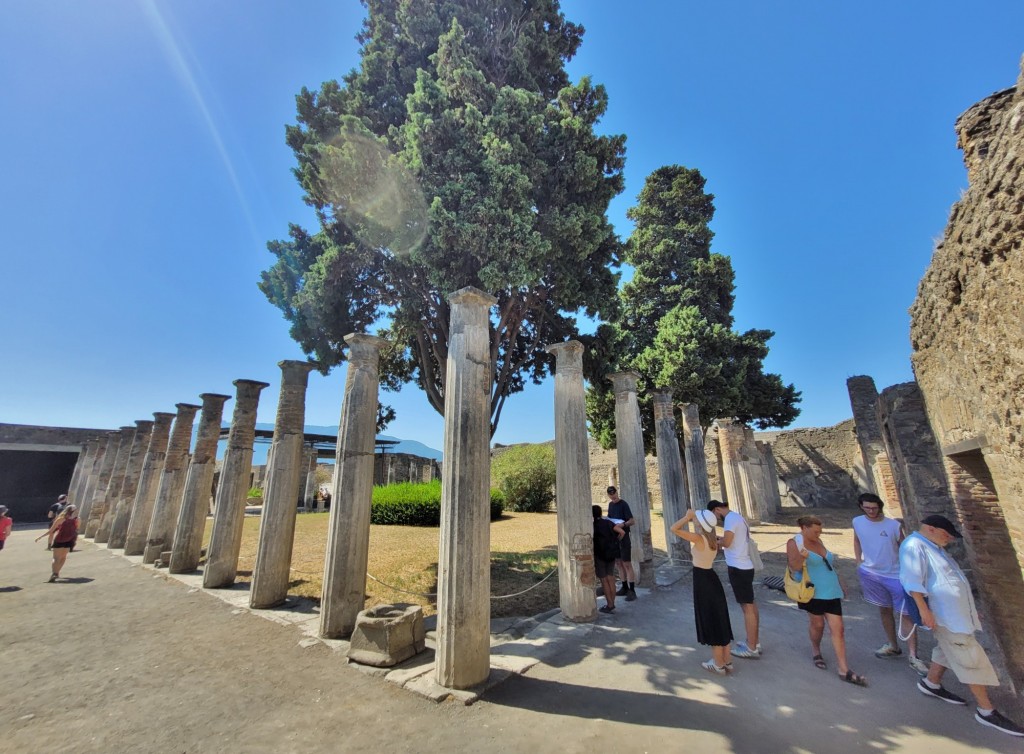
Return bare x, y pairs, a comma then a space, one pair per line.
962, 654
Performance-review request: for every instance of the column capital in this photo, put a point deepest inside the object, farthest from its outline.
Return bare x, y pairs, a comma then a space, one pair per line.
163, 417
725, 423
623, 382
568, 355
663, 405
470, 295
255, 384
364, 347
125, 430
144, 424
184, 409
295, 372
214, 398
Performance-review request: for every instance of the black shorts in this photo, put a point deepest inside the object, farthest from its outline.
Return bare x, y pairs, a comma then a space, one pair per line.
742, 582
823, 607
2, 543
59, 545
625, 548
604, 568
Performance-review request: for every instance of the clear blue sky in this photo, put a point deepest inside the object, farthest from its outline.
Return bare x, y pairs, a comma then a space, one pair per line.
143, 167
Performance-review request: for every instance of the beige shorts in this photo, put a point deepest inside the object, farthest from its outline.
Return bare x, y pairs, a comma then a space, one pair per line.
962, 654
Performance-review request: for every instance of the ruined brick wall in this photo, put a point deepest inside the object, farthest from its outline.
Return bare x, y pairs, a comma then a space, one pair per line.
969, 357
818, 467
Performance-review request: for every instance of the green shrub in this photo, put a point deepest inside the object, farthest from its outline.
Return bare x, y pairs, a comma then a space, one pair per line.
526, 476
254, 492
413, 504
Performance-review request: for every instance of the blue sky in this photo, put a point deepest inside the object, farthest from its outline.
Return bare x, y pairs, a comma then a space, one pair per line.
143, 167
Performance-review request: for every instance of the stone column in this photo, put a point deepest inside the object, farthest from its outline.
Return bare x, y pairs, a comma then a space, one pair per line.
878, 475
730, 444
629, 442
229, 512
696, 460
348, 541
195, 500
149, 478
172, 482
463, 656
671, 475
98, 477
79, 472
103, 512
277, 523
130, 486
309, 491
773, 499
576, 575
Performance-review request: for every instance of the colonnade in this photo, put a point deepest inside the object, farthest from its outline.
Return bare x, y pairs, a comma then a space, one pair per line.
140, 489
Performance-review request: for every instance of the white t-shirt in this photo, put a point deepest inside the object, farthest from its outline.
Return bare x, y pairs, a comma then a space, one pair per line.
737, 554
879, 545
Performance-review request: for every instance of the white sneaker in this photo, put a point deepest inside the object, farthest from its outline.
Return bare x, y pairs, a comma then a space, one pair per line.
743, 651
888, 650
712, 668
919, 665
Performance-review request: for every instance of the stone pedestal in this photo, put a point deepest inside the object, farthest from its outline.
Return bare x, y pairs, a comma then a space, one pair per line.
172, 482
277, 522
696, 462
149, 478
671, 475
104, 512
348, 540
96, 484
229, 512
464, 576
130, 486
629, 441
387, 635
195, 500
576, 576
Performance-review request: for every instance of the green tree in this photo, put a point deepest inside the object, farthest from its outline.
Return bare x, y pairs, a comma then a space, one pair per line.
675, 325
525, 474
457, 154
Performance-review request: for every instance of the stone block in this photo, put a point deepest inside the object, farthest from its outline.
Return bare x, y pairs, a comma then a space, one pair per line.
387, 634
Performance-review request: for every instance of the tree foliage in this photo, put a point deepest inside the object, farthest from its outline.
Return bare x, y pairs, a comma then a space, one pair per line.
675, 325
525, 474
458, 154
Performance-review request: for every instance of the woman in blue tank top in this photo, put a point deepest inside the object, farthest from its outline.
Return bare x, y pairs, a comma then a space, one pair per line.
807, 549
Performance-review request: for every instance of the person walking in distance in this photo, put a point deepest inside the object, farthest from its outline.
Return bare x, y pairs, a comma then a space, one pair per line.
607, 536
876, 548
52, 513
943, 596
63, 534
6, 523
735, 543
619, 511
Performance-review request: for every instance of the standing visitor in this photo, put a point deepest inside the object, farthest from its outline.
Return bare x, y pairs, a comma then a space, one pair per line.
63, 534
876, 548
710, 610
806, 548
736, 546
6, 522
606, 549
943, 595
52, 513
618, 510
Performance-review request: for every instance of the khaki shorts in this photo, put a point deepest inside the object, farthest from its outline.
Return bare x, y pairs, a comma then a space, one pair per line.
962, 654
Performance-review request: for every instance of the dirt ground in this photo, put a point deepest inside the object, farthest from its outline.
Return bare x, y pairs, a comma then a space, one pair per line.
118, 658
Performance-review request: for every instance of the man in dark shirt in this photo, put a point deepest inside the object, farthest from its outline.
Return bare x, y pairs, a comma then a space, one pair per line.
606, 551
52, 513
619, 509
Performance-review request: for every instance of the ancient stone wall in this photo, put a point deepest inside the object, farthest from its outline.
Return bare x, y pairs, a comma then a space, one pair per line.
818, 467
969, 357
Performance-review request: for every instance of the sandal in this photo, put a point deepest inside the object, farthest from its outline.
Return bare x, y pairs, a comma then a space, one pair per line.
819, 662
856, 680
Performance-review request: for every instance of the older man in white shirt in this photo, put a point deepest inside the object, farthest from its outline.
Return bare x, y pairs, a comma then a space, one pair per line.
943, 597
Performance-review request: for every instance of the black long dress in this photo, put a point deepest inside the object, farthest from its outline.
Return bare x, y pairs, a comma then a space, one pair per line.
710, 610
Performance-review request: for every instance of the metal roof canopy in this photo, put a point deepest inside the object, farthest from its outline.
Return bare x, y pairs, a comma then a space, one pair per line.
325, 445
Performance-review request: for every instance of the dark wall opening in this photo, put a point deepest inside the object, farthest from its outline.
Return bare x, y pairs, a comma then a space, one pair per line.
31, 480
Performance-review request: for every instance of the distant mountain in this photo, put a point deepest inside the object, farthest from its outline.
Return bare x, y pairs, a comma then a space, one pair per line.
412, 447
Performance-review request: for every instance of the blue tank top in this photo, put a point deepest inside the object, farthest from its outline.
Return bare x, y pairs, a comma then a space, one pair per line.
826, 583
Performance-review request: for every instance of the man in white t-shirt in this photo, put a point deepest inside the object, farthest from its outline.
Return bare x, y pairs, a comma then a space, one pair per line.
876, 547
735, 543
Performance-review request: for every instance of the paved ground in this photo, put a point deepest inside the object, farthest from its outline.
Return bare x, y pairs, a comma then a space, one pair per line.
121, 659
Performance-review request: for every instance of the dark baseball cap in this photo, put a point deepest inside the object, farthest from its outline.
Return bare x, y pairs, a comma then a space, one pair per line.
941, 522
716, 504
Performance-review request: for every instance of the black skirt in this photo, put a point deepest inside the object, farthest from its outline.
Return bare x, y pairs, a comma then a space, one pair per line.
710, 609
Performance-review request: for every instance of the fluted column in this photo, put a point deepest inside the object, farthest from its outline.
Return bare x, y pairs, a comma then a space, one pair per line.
629, 443
172, 482
149, 479
195, 500
348, 541
576, 576
464, 578
229, 512
105, 512
309, 490
674, 495
730, 443
122, 510
693, 450
79, 472
277, 523
96, 484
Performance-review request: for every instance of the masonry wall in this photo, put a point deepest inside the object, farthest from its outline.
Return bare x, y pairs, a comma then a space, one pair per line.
968, 357
818, 467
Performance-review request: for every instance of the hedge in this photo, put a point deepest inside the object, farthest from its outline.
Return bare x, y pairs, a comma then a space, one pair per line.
412, 504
